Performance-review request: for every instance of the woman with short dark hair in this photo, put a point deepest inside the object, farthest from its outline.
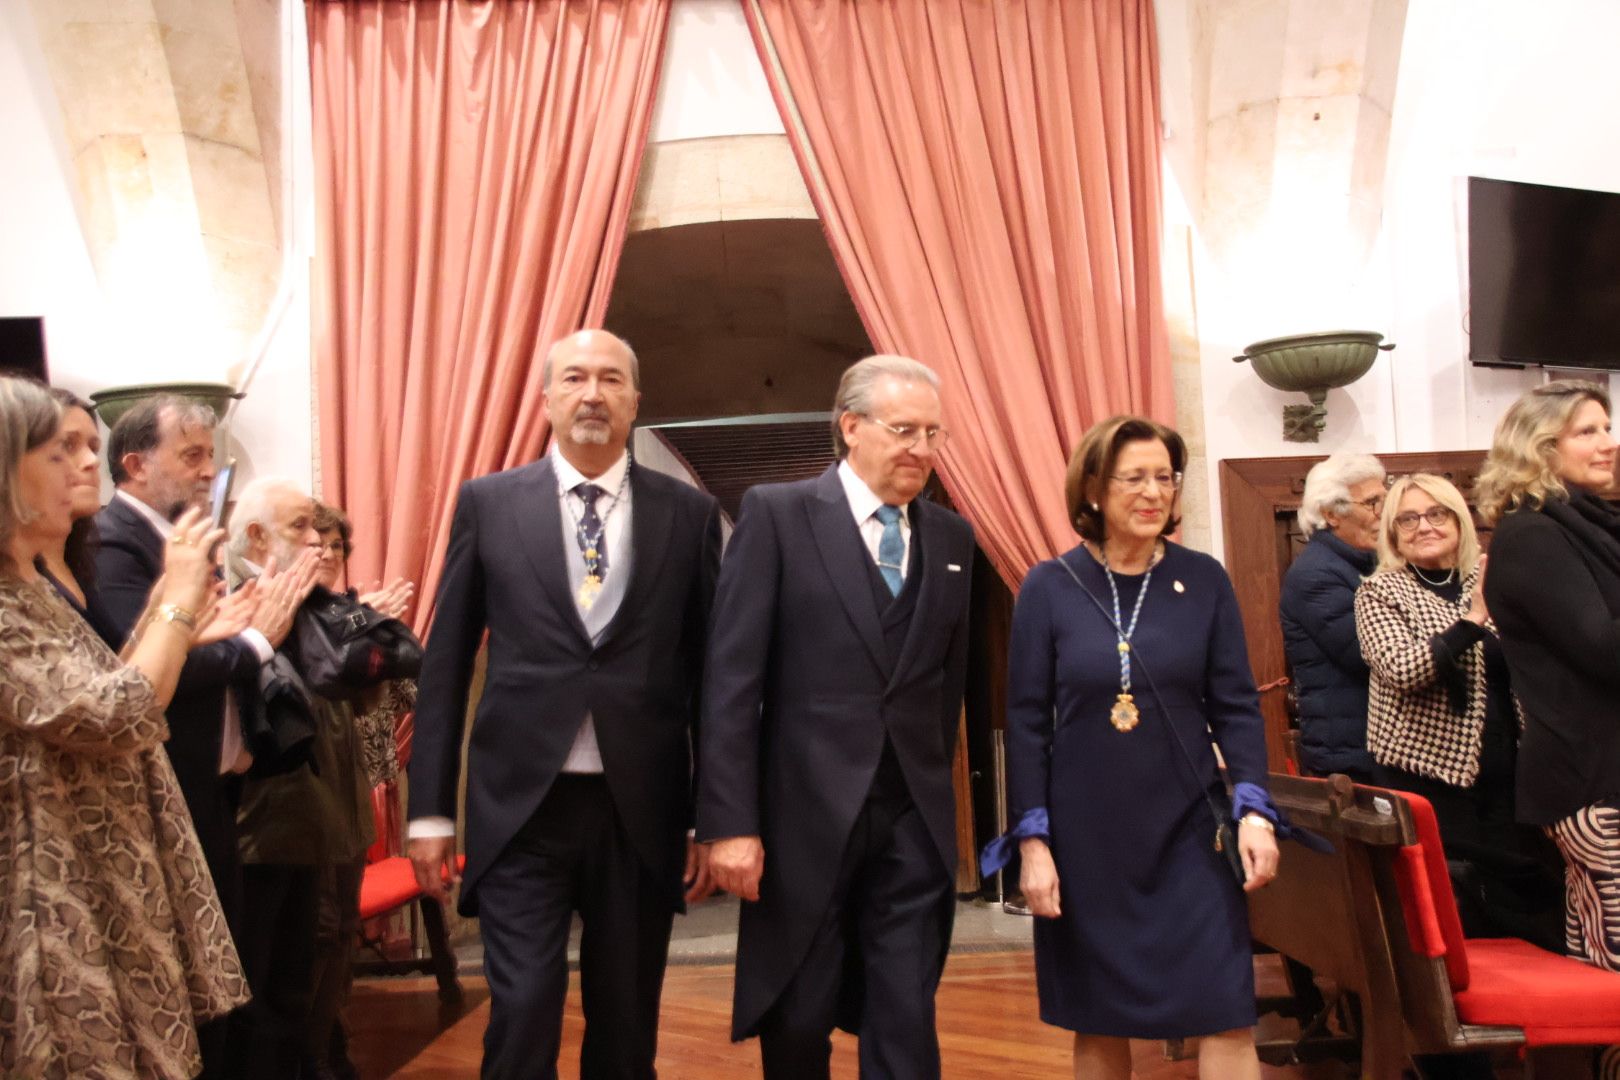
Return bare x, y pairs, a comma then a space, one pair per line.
1127, 653
358, 753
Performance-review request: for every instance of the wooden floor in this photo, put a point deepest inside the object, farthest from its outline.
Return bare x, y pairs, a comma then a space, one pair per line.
988, 1030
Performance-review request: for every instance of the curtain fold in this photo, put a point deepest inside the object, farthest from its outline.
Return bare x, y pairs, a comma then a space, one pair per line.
475, 166
988, 178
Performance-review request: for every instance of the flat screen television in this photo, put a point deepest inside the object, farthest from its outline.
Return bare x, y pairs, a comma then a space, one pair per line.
1543, 275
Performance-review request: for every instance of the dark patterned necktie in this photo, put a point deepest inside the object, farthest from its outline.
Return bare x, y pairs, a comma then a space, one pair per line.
592, 542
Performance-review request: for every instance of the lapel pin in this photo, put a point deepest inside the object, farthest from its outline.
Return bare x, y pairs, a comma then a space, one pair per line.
1179, 587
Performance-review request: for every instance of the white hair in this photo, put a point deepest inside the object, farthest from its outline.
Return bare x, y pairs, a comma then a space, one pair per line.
256, 504
1328, 484
861, 378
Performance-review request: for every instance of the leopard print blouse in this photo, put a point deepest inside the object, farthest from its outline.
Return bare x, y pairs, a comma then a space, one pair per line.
112, 942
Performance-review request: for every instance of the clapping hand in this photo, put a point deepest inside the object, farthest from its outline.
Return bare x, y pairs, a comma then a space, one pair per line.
1477, 611
188, 563
227, 615
393, 601
282, 593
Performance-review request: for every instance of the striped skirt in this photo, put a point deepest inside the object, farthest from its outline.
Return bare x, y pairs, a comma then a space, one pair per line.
1589, 840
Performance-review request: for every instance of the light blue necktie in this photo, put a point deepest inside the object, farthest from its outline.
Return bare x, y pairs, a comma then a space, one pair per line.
891, 549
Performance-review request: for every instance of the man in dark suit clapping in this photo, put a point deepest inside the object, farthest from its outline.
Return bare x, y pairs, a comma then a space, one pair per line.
835, 678
161, 455
593, 577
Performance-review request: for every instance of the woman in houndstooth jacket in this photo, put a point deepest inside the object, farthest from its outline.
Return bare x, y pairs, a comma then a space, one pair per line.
1441, 719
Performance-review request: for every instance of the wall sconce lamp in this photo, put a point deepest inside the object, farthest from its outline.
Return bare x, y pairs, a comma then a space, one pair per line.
115, 401
1312, 364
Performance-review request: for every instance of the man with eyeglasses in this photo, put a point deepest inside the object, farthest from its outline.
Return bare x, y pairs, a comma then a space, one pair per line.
837, 659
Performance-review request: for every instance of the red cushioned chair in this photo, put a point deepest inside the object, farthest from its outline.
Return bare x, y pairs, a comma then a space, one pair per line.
388, 885
1377, 916
1499, 982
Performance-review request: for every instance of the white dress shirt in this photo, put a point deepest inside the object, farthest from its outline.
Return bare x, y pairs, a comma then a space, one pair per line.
864, 505
613, 508
233, 752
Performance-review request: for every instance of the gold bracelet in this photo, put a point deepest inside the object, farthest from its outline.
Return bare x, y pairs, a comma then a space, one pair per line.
1260, 820
174, 613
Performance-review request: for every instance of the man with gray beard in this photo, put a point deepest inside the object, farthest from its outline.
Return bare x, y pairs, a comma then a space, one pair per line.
592, 577
290, 824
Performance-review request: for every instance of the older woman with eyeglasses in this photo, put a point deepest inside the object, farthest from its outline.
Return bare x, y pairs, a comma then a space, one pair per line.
1340, 514
1127, 664
1441, 720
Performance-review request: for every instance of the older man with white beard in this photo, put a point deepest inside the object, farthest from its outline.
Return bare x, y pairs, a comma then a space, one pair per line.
291, 826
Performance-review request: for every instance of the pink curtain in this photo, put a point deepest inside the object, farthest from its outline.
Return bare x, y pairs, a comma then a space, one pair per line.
988, 176
475, 165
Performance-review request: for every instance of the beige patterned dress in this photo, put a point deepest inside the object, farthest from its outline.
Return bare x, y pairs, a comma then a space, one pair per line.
112, 942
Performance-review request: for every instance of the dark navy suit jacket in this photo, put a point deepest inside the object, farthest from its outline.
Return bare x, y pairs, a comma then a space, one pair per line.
128, 561
799, 694
505, 573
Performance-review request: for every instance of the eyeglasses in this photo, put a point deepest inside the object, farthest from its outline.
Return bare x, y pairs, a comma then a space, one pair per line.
910, 434
1131, 483
1438, 517
1373, 506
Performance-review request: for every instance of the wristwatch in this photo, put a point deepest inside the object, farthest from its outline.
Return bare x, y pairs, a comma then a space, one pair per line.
1257, 819
174, 613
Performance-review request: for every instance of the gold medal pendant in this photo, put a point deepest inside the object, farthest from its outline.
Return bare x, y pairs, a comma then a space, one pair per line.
1124, 716
589, 589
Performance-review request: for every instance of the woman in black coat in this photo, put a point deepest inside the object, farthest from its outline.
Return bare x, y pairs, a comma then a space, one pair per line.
1339, 515
1554, 592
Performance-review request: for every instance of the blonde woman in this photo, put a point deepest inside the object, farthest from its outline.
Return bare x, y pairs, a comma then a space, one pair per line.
1555, 586
1441, 720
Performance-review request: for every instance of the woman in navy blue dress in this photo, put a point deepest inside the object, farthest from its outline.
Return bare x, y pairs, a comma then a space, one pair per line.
1142, 931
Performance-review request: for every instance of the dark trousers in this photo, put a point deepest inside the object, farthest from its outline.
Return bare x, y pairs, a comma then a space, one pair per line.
337, 929
215, 823
876, 959
573, 855
1507, 877
277, 945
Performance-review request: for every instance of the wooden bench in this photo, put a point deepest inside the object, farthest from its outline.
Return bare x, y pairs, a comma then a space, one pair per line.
388, 885
1379, 919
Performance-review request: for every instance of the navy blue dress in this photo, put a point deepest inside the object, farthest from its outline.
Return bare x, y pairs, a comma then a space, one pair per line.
1153, 941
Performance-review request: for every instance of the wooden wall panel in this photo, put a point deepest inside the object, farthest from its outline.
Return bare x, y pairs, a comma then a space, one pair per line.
1260, 499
